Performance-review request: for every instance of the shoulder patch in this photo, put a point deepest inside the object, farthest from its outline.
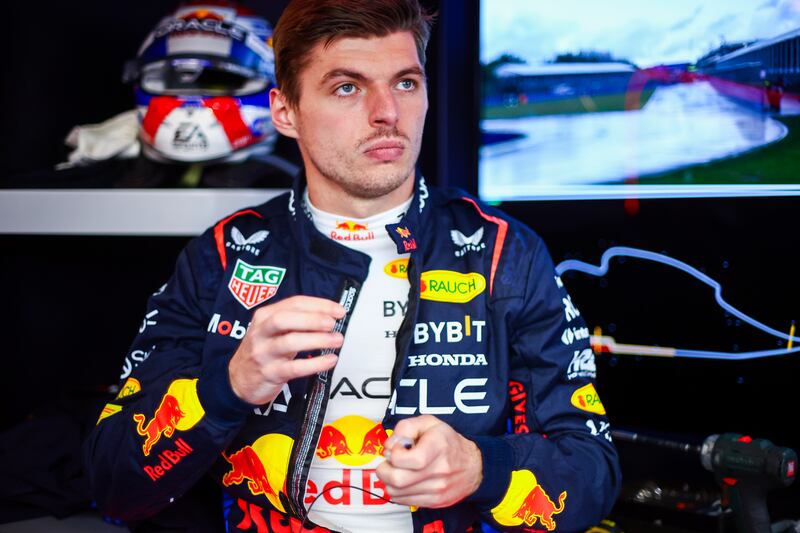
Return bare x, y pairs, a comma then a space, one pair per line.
219, 233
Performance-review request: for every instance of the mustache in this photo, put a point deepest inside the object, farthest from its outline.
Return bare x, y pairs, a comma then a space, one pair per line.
384, 133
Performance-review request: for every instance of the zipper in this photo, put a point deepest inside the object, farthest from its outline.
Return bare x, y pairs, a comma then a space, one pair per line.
404, 333
317, 396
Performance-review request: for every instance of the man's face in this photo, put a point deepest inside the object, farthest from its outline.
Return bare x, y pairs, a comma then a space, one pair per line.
361, 113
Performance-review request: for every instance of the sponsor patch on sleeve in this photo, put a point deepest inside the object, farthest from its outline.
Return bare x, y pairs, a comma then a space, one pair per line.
527, 503
586, 399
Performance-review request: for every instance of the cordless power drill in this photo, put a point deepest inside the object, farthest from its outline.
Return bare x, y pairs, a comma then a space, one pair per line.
747, 467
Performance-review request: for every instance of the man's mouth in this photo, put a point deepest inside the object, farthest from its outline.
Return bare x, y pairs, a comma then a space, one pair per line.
385, 150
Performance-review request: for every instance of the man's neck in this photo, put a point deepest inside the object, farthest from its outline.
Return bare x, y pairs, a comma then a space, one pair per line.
330, 197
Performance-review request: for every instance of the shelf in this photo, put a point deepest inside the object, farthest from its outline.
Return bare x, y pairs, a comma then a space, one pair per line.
132, 212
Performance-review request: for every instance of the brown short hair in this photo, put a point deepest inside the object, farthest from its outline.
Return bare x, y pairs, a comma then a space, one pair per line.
305, 23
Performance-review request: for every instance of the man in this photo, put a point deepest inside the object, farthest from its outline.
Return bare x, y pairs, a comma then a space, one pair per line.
450, 325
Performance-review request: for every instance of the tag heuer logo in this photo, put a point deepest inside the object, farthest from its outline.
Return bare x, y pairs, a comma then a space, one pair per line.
253, 285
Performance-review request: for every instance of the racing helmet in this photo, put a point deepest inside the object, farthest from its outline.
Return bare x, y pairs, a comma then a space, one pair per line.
201, 81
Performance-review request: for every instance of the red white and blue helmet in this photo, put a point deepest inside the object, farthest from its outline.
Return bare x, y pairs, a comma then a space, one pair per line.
202, 79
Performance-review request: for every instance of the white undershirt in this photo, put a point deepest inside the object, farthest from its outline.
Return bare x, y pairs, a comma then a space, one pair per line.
361, 386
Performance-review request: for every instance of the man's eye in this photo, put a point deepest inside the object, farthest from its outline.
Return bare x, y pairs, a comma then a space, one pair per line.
407, 85
345, 90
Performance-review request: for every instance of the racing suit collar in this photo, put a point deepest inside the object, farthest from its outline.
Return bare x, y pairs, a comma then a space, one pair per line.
319, 247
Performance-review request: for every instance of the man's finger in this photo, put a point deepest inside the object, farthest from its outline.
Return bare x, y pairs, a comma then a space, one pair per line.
308, 304
424, 487
289, 344
299, 368
400, 477
293, 320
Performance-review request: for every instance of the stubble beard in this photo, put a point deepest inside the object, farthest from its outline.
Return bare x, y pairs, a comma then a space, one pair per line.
377, 181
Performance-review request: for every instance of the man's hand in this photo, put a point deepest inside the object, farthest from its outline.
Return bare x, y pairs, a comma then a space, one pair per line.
265, 359
440, 469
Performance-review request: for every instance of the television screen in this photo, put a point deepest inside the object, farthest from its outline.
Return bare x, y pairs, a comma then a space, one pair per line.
624, 98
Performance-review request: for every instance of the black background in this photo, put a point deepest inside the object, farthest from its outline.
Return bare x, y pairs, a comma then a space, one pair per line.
71, 305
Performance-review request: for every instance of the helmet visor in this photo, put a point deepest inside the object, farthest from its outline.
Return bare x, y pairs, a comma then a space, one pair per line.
200, 77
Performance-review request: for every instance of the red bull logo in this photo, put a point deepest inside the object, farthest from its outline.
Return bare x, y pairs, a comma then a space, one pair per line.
179, 409
351, 231
409, 243
373, 441
538, 505
167, 459
164, 421
332, 443
246, 465
349, 225
526, 502
339, 438
263, 465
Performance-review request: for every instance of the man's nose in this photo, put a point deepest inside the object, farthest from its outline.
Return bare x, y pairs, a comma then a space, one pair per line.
383, 110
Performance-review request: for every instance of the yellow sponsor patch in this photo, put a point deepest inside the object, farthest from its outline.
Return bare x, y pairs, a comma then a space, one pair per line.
129, 388
450, 286
397, 268
527, 503
586, 399
109, 410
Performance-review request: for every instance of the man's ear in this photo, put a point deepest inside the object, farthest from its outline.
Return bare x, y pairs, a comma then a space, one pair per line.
283, 117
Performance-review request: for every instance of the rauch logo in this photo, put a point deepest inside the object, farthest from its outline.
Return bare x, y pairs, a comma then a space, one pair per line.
450, 286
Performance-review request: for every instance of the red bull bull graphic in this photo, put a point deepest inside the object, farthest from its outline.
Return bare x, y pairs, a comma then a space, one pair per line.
164, 421
351, 231
409, 243
354, 442
332, 443
245, 465
179, 409
373, 441
538, 505
263, 466
341, 437
252, 285
526, 502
